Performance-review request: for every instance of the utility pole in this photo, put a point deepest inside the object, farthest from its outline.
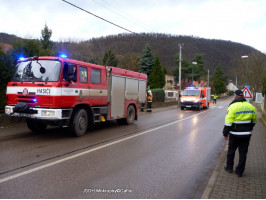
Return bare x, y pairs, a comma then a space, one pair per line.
179, 78
208, 78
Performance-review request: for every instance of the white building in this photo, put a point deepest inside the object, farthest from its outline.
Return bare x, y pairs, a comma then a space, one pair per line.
231, 86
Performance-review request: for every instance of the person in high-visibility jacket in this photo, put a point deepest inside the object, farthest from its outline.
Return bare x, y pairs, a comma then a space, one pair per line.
149, 101
214, 98
239, 122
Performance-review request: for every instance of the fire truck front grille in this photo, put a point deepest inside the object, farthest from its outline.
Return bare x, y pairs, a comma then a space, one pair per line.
26, 99
188, 103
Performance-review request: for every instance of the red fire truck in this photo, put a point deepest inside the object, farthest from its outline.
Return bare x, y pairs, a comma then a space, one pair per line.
68, 93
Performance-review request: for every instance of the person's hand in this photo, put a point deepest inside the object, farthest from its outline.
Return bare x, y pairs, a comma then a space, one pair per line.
225, 137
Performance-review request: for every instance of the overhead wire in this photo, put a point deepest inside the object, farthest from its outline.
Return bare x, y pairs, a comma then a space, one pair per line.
173, 46
99, 17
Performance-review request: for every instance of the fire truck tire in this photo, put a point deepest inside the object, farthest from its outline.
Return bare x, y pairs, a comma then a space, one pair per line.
79, 123
131, 114
36, 126
199, 107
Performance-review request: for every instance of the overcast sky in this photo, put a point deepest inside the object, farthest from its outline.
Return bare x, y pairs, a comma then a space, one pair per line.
242, 21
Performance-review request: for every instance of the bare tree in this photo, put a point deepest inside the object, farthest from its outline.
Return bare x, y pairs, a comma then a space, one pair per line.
253, 69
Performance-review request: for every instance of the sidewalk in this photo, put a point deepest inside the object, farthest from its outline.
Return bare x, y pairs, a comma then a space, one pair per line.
223, 185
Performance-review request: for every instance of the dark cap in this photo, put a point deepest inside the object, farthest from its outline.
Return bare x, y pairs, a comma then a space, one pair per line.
239, 93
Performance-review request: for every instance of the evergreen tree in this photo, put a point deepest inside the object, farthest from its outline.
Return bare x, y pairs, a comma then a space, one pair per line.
109, 59
165, 71
199, 71
185, 69
146, 61
6, 72
157, 77
219, 74
218, 81
46, 42
26, 48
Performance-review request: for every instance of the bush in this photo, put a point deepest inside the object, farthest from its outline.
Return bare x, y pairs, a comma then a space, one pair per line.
264, 86
230, 92
158, 95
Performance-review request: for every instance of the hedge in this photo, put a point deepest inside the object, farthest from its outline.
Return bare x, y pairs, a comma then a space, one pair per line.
158, 95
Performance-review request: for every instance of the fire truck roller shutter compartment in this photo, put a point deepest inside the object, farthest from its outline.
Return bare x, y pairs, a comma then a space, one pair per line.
118, 97
131, 89
142, 91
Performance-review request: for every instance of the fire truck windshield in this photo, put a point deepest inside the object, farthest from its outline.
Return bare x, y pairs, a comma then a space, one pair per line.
191, 93
37, 71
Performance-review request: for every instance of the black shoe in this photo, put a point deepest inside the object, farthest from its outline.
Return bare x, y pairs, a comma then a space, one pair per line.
228, 170
238, 174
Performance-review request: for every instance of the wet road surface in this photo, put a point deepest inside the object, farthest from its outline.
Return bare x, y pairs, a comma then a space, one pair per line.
168, 153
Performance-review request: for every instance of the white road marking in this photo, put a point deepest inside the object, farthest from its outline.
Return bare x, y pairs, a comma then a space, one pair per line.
91, 150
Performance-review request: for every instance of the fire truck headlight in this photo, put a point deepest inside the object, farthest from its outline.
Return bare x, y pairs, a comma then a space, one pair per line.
196, 100
48, 113
8, 110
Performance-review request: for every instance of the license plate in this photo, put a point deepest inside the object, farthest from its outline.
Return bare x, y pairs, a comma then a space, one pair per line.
188, 106
24, 115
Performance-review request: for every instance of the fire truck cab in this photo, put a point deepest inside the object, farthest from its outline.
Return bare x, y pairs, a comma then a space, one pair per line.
69, 93
196, 98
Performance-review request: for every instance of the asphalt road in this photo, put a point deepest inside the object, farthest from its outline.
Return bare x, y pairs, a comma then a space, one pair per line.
168, 153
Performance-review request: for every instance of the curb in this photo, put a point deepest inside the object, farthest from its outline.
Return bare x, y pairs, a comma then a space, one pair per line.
207, 192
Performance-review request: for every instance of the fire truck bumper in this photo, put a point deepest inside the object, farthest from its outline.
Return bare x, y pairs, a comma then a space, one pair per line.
40, 113
190, 105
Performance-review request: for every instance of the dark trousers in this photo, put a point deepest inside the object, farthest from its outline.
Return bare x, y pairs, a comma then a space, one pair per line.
241, 142
214, 101
149, 106
142, 107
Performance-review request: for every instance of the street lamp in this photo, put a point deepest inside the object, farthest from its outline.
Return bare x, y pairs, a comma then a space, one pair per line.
179, 78
193, 63
246, 69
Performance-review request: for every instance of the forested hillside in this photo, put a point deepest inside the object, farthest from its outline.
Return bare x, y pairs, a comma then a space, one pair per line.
128, 49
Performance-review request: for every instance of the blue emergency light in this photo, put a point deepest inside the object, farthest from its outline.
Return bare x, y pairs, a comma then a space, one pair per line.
63, 56
21, 58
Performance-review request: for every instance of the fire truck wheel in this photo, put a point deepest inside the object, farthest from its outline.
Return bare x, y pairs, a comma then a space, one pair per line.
36, 126
199, 107
79, 124
131, 114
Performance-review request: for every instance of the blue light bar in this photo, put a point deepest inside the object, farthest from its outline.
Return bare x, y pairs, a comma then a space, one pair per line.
34, 100
63, 56
21, 58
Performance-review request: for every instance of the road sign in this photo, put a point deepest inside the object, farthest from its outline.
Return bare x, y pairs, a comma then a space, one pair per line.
247, 93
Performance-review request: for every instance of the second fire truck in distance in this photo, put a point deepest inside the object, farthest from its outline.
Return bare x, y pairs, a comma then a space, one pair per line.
196, 97
69, 93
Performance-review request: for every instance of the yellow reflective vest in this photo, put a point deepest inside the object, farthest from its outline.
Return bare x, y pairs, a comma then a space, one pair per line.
240, 119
